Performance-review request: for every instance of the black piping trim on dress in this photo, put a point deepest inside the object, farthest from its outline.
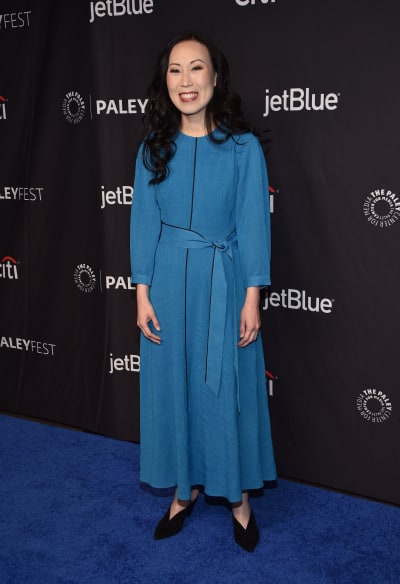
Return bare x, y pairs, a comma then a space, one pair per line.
194, 178
185, 333
209, 313
186, 270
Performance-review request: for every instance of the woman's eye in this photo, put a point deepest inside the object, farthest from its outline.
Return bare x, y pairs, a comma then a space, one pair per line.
174, 70
197, 68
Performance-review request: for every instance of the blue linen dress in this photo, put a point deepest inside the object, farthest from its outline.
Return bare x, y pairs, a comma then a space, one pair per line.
198, 240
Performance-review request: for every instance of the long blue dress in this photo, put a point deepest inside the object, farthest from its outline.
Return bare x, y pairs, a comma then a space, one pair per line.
199, 239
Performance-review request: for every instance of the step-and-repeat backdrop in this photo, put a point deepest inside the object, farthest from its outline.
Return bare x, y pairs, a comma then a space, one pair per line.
323, 78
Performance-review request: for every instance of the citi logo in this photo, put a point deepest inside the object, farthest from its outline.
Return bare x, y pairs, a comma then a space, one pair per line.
270, 379
100, 8
298, 300
297, 99
272, 193
253, 2
3, 111
8, 268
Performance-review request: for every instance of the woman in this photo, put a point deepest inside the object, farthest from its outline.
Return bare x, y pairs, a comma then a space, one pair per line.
200, 253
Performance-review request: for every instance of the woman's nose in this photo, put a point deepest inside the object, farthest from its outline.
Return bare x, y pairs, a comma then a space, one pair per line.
186, 78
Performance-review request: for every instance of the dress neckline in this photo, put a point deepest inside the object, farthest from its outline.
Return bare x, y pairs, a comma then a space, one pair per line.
194, 137
215, 132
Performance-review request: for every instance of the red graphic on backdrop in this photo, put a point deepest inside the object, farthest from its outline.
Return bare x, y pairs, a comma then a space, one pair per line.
8, 268
272, 193
270, 378
9, 258
3, 114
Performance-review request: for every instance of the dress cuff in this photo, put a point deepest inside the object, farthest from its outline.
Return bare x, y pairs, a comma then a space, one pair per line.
261, 281
141, 279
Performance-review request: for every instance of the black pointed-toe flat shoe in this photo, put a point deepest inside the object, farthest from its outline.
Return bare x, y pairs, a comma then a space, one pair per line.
247, 537
168, 527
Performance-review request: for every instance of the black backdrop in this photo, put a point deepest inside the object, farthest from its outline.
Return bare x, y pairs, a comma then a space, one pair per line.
323, 77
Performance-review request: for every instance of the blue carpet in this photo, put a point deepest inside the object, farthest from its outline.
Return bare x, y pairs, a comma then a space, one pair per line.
72, 511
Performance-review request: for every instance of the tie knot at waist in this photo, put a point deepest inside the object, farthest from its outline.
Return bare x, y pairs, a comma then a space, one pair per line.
220, 267
221, 246
192, 239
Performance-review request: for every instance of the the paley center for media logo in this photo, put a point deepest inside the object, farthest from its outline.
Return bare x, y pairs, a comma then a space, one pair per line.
374, 405
86, 280
382, 207
75, 106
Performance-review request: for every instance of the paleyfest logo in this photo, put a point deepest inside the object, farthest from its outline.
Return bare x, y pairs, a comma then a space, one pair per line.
101, 8
382, 208
21, 193
374, 405
31, 345
14, 20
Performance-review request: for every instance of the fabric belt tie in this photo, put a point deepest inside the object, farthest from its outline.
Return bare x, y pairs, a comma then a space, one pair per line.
223, 255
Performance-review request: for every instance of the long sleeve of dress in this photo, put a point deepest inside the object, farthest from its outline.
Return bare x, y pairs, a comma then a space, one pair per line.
252, 212
145, 225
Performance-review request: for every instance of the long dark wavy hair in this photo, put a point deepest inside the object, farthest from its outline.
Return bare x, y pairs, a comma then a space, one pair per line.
162, 119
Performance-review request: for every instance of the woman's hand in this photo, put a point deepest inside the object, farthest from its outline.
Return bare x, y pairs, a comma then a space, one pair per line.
250, 320
146, 314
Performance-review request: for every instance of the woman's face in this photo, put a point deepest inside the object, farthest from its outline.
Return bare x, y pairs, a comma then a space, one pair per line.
191, 80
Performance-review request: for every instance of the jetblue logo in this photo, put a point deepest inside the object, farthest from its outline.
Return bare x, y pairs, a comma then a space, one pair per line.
99, 9
297, 99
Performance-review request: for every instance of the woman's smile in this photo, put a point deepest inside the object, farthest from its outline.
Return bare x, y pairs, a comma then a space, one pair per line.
188, 97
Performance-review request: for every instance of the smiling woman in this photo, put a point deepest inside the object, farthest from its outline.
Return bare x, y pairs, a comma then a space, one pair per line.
191, 80
200, 240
